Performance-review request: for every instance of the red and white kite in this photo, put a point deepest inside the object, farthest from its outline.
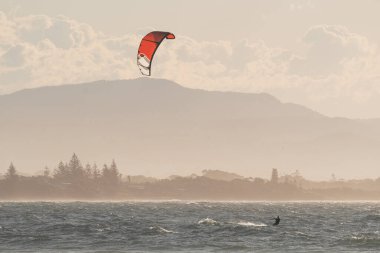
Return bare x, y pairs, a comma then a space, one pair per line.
147, 49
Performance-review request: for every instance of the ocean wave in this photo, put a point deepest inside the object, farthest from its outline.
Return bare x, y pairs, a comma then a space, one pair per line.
366, 237
372, 217
104, 229
300, 233
161, 229
367, 240
251, 224
208, 221
177, 227
193, 203
66, 228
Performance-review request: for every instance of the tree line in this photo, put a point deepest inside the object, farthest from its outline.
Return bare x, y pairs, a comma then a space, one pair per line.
70, 180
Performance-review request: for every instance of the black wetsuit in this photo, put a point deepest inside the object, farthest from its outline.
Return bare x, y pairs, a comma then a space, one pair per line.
277, 221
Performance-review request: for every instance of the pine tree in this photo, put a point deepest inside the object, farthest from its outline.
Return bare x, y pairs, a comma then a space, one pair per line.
88, 171
74, 164
110, 178
95, 172
11, 173
114, 173
76, 170
105, 171
61, 173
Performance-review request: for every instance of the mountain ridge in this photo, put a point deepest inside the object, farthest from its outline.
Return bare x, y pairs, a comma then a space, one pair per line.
140, 81
157, 127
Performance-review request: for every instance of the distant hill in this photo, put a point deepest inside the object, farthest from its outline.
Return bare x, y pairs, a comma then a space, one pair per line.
156, 128
221, 175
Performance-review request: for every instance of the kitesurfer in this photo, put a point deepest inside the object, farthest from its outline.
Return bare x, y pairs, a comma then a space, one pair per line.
277, 221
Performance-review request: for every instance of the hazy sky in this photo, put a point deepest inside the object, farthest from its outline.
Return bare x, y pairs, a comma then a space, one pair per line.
321, 54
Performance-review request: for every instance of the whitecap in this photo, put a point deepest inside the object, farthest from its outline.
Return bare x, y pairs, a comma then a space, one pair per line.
251, 224
192, 203
208, 221
365, 238
161, 229
300, 233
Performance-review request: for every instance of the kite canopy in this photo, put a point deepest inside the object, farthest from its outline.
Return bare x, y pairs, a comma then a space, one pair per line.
148, 47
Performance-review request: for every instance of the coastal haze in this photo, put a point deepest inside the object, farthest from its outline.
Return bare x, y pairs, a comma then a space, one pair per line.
258, 128
156, 127
292, 85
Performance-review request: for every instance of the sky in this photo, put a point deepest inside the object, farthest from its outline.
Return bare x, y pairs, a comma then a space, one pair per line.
321, 54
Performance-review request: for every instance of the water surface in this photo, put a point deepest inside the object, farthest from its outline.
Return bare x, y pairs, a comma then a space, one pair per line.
189, 227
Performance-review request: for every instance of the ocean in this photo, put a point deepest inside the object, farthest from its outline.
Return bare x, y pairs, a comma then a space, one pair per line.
185, 226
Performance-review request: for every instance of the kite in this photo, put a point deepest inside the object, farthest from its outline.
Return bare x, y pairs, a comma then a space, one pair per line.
147, 49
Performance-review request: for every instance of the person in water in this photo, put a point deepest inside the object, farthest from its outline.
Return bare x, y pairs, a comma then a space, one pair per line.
277, 221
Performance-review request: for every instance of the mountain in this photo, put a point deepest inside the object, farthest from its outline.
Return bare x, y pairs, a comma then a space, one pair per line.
156, 127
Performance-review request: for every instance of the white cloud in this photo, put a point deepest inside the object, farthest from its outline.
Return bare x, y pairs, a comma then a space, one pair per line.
330, 47
41, 50
338, 74
338, 71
